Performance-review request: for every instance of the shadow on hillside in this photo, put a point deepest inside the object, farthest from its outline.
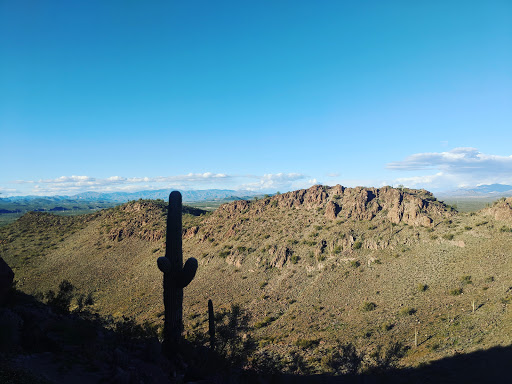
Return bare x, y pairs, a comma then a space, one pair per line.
84, 348
485, 366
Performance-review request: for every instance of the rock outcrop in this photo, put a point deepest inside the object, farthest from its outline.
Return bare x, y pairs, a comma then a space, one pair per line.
501, 210
410, 206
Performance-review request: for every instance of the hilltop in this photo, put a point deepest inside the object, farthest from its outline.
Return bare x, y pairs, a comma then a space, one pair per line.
312, 268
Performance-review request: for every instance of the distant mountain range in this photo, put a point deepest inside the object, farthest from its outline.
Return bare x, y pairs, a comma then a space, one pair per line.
13, 207
122, 197
482, 191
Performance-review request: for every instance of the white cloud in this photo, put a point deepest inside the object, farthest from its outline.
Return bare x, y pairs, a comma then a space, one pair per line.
459, 167
70, 185
276, 181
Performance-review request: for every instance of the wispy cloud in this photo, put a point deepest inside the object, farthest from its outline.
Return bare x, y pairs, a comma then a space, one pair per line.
456, 168
276, 181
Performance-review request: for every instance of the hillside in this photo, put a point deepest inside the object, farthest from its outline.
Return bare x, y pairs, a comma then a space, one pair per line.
311, 267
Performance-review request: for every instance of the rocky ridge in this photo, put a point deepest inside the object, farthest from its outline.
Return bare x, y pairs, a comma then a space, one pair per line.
413, 207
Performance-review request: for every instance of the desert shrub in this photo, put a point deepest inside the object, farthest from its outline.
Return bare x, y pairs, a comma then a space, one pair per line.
489, 279
386, 358
357, 245
468, 228
306, 344
128, 328
343, 359
407, 311
232, 339
265, 322
368, 306
61, 301
481, 223
355, 264
422, 287
83, 301
294, 259
456, 291
224, 254
387, 326
505, 229
337, 249
465, 280
448, 236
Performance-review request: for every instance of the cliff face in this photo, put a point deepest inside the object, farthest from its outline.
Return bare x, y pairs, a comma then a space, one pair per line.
413, 207
501, 210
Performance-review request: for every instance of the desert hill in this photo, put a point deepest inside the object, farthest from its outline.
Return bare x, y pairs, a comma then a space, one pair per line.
311, 267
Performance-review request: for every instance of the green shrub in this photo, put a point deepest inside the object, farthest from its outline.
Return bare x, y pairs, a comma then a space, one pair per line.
456, 291
358, 244
422, 287
265, 322
294, 259
368, 306
387, 326
448, 236
355, 263
224, 254
306, 344
61, 301
407, 311
465, 280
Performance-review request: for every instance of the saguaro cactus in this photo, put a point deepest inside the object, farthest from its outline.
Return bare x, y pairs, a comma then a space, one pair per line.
176, 277
211, 324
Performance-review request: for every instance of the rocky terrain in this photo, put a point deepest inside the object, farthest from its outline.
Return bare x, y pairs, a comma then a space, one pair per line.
311, 269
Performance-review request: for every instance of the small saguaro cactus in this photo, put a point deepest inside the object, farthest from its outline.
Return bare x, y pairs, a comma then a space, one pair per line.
211, 325
176, 277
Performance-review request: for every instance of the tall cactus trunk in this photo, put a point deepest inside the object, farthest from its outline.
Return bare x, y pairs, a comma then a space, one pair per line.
176, 277
211, 325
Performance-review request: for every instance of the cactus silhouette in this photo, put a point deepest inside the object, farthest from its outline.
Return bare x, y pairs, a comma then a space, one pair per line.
176, 277
211, 324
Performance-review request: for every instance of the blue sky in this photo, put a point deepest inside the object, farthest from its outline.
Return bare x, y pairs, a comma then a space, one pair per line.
261, 95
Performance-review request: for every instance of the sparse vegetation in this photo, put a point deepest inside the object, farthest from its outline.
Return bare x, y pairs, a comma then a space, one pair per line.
407, 311
368, 306
282, 280
422, 287
456, 291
